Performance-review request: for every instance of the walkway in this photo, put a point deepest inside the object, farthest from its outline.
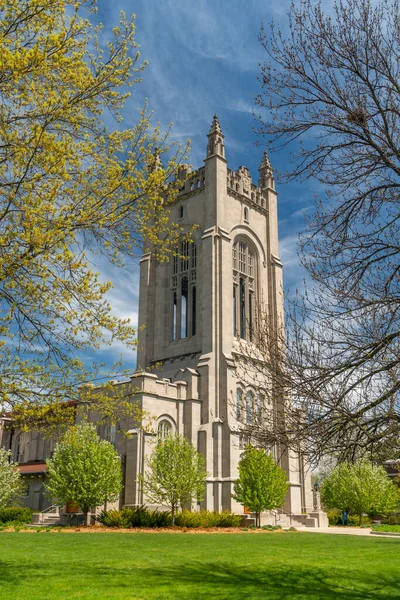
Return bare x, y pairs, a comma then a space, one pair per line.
345, 531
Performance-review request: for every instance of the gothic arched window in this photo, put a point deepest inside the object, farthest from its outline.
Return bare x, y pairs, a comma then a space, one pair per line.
244, 285
164, 429
183, 284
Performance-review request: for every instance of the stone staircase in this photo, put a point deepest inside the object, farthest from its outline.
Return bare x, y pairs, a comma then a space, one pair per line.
49, 516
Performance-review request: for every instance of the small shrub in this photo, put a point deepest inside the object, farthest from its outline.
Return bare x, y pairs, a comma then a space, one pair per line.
393, 519
292, 529
244, 529
276, 527
252, 527
15, 514
140, 516
114, 518
334, 517
207, 519
267, 527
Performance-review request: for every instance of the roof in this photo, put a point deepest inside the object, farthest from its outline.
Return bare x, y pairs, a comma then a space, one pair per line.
30, 469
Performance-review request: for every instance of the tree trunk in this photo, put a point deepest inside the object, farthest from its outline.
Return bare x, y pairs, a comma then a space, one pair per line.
85, 517
173, 515
257, 519
360, 522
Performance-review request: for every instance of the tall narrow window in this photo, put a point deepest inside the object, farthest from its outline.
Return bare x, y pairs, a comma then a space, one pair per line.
193, 256
242, 312
260, 405
184, 307
175, 317
194, 310
250, 311
244, 288
238, 404
234, 311
249, 407
183, 284
184, 256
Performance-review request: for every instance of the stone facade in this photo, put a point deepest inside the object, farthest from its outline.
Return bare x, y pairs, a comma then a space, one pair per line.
192, 312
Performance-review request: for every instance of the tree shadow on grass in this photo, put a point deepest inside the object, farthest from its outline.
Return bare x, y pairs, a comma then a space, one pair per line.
200, 580
219, 581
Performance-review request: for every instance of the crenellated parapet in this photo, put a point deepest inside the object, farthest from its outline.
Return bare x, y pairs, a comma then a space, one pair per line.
191, 180
240, 185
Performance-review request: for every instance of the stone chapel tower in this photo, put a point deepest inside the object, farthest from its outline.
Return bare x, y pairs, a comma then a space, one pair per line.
192, 310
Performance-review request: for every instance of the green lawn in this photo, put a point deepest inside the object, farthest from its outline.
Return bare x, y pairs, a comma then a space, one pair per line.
205, 566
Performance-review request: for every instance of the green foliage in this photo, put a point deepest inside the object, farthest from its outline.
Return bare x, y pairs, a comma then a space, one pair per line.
84, 469
392, 519
334, 516
207, 519
267, 527
71, 182
387, 528
359, 488
15, 514
244, 529
262, 484
138, 516
142, 517
292, 529
10, 479
176, 474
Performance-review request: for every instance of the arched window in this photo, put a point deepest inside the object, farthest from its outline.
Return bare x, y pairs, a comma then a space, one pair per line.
164, 429
183, 284
181, 212
246, 214
244, 286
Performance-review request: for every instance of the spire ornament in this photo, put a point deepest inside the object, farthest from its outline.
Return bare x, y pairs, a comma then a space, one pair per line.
215, 139
266, 172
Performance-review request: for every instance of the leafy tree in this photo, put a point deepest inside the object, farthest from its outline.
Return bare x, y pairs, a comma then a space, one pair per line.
330, 90
359, 488
71, 187
84, 469
176, 474
10, 479
262, 484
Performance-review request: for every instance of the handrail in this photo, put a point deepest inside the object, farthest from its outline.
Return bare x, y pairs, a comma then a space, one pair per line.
280, 511
50, 509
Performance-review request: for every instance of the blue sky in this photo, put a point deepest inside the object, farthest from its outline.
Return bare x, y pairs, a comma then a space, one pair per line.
204, 59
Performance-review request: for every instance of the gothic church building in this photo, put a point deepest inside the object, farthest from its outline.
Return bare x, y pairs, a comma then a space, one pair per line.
194, 314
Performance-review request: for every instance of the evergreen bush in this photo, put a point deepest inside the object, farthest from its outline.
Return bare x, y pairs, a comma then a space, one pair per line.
140, 516
15, 514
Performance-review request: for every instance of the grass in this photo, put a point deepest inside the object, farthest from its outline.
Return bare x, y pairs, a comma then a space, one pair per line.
140, 566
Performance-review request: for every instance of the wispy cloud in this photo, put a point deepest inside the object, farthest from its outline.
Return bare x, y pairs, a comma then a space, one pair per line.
203, 58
